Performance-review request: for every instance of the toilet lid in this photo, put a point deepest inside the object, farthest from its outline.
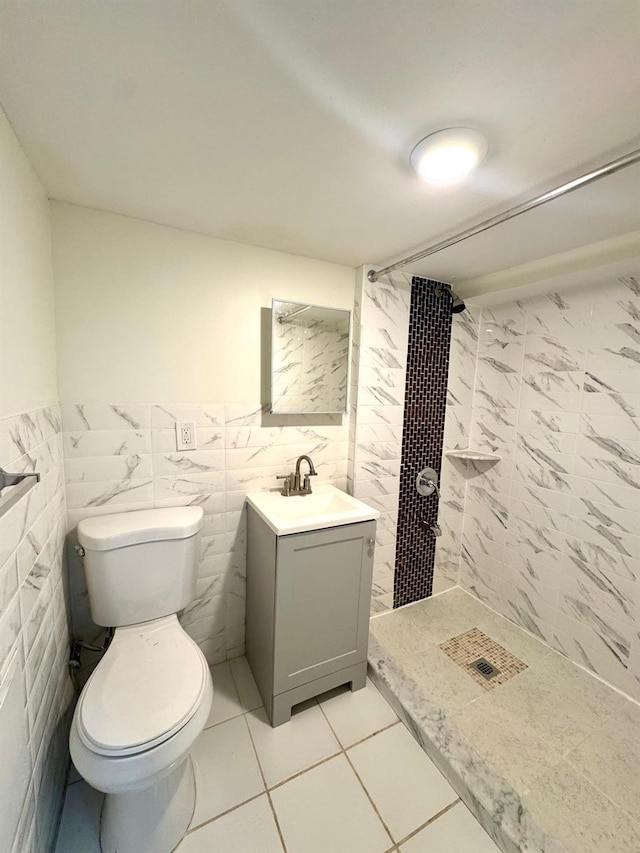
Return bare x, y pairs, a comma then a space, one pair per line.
147, 687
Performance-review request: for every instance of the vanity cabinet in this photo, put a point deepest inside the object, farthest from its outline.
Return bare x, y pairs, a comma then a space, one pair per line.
308, 601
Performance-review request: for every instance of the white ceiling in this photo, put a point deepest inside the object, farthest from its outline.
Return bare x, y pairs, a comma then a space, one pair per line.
288, 123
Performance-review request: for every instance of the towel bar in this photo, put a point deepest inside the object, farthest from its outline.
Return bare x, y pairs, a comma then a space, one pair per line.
18, 485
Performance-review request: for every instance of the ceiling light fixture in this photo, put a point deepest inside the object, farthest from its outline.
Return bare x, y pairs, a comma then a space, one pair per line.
448, 155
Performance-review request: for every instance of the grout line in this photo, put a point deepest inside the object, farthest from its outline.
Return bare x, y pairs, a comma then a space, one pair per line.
264, 782
235, 684
370, 798
342, 751
598, 789
432, 819
255, 752
222, 814
368, 737
226, 720
301, 772
367, 794
599, 725
277, 822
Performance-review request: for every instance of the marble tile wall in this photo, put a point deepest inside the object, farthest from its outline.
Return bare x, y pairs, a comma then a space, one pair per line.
381, 328
35, 689
551, 533
123, 457
457, 428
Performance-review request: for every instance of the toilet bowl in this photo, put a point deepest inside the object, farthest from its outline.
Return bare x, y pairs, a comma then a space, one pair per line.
134, 725
149, 698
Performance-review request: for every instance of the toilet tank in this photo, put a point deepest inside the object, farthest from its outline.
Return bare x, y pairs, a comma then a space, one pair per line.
140, 565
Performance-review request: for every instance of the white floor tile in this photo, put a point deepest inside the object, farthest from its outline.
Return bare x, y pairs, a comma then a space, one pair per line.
293, 746
403, 782
247, 829
226, 702
457, 831
226, 769
245, 683
354, 716
80, 824
326, 811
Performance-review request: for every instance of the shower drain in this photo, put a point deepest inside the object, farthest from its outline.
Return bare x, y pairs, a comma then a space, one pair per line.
486, 669
484, 660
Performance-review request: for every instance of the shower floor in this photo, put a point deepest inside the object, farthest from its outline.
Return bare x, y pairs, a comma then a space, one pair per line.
547, 761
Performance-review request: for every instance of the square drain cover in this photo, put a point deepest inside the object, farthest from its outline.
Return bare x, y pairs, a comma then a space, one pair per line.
487, 662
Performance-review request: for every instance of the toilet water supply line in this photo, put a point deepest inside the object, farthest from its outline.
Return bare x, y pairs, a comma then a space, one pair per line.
75, 661
595, 175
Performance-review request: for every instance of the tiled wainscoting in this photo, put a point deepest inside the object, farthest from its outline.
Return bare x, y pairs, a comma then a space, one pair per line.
35, 689
123, 457
552, 531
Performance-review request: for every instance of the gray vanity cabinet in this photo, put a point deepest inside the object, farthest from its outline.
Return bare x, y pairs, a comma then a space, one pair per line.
308, 600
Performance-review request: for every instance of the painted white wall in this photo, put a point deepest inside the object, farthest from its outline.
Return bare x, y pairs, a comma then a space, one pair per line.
146, 312
27, 337
34, 642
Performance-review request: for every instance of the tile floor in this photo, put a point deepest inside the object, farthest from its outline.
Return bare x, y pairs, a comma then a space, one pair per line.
344, 776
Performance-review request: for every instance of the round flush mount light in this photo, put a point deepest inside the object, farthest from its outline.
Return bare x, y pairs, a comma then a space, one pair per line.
448, 155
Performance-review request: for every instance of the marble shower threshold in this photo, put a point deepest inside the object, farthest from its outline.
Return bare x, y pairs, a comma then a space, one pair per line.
548, 762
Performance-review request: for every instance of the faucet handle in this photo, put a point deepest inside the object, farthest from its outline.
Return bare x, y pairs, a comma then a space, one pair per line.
286, 486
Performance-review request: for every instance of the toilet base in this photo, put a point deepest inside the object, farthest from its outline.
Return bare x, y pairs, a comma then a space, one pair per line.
151, 820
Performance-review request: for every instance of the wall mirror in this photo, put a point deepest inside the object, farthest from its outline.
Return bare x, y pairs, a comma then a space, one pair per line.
309, 358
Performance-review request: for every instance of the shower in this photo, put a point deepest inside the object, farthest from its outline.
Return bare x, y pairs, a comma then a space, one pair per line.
457, 304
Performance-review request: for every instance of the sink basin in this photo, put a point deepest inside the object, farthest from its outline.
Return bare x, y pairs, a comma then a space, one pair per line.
325, 507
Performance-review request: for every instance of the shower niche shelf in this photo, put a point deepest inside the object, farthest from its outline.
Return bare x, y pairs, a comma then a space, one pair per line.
473, 455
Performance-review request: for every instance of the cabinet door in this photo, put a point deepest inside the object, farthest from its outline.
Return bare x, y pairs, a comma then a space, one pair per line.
323, 592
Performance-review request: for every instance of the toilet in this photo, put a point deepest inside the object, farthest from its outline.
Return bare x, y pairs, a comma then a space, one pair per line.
149, 698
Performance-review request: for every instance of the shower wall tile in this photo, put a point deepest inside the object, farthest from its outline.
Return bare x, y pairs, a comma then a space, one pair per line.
551, 534
34, 641
109, 468
379, 358
454, 473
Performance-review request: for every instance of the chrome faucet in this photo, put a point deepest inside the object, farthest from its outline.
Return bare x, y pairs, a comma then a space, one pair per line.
292, 481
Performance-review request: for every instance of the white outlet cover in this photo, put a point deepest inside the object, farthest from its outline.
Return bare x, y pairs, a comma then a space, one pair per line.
185, 435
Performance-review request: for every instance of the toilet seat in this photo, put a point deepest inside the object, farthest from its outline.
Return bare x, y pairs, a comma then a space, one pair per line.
152, 680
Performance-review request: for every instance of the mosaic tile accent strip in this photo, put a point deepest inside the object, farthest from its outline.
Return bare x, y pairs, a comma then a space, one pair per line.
423, 432
468, 647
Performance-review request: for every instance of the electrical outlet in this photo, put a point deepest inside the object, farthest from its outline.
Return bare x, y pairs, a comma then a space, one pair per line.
186, 436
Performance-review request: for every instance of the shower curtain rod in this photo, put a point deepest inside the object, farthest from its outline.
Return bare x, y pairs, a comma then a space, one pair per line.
608, 169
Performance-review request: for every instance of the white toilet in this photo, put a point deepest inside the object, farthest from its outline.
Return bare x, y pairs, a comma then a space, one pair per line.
150, 696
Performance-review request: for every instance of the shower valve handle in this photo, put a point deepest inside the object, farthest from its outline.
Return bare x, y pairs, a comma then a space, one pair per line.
427, 483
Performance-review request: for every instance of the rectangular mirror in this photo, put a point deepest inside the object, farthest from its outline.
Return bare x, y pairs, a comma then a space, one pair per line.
309, 358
